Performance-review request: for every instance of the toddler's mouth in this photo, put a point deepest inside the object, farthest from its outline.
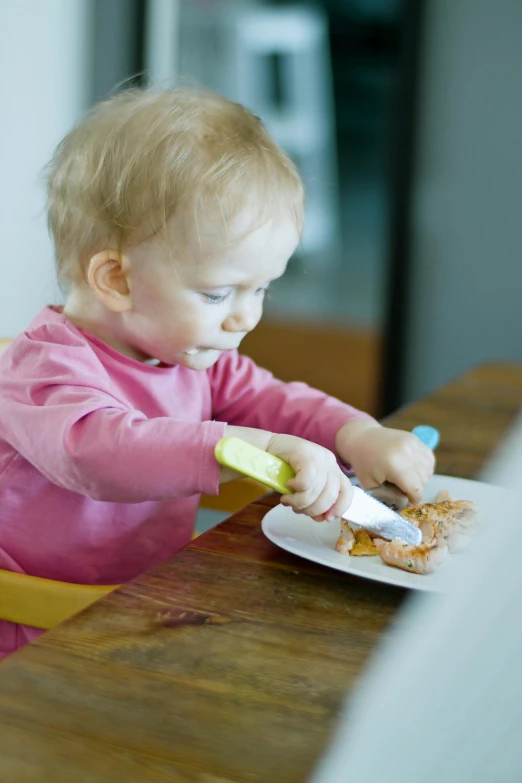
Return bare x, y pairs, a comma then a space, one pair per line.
194, 351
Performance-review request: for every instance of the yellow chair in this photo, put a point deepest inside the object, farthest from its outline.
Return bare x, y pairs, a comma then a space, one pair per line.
44, 603
234, 495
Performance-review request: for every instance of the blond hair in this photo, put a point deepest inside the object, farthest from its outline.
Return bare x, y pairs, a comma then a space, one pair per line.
143, 156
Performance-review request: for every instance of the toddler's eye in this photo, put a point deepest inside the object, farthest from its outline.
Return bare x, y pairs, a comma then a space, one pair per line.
215, 298
262, 291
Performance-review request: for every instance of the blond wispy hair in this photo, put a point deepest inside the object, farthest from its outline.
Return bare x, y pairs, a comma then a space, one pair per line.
143, 156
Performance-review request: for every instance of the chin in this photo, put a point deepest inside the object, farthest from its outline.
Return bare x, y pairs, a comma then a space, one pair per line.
202, 360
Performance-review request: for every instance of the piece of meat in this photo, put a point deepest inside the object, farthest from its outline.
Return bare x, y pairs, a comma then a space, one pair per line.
346, 540
421, 559
449, 520
363, 544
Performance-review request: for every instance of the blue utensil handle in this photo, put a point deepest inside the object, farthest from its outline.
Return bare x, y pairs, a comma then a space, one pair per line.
428, 435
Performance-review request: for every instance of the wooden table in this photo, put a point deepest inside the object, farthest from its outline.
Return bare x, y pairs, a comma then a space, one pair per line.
228, 662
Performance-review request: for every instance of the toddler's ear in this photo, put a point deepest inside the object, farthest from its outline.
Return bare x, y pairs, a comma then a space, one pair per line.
107, 277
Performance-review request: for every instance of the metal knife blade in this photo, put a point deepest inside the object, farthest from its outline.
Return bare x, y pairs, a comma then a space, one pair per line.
367, 512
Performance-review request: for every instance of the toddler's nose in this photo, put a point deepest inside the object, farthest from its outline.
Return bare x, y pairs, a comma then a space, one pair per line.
243, 319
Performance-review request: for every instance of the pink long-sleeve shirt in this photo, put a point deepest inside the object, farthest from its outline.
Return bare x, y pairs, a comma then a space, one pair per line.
103, 458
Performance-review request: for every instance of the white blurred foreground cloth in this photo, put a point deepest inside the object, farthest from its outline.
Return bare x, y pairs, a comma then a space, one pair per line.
442, 701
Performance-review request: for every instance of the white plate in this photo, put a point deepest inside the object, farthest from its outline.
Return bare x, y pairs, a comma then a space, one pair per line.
316, 541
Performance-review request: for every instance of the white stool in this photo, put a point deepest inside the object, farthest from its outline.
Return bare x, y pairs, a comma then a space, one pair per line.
275, 61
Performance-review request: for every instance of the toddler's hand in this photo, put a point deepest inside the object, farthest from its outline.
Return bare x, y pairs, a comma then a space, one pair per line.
379, 454
320, 489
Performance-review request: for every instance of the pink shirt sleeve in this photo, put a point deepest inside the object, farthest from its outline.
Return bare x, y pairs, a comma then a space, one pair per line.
64, 416
247, 395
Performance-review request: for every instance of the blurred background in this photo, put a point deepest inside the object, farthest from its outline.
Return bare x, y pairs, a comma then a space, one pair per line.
405, 119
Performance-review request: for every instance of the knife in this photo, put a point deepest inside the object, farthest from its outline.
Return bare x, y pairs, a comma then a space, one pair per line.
364, 510
390, 494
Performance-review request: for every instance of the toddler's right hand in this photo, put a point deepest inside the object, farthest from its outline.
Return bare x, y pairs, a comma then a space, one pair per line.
320, 489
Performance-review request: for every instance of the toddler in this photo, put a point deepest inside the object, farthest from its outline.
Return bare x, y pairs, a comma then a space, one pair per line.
171, 213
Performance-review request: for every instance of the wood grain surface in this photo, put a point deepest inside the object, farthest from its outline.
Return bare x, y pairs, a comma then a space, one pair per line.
229, 662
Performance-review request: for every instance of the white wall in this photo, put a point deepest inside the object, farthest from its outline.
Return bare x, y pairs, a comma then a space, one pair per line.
44, 50
466, 304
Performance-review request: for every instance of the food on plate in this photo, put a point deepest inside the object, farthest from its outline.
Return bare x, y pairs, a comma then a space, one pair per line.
446, 526
355, 541
451, 521
346, 539
363, 544
421, 559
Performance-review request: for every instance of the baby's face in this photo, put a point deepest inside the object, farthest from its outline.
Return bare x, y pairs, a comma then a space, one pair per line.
191, 310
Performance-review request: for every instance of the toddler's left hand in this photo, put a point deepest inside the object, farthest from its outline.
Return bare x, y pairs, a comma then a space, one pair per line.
379, 454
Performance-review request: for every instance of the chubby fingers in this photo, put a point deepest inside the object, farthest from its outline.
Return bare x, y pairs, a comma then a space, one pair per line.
321, 496
333, 501
411, 481
411, 469
341, 504
307, 485
425, 463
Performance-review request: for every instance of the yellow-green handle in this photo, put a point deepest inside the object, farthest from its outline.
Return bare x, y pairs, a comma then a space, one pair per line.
258, 464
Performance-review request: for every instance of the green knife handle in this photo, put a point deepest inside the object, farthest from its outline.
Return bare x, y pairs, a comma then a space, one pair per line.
258, 464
